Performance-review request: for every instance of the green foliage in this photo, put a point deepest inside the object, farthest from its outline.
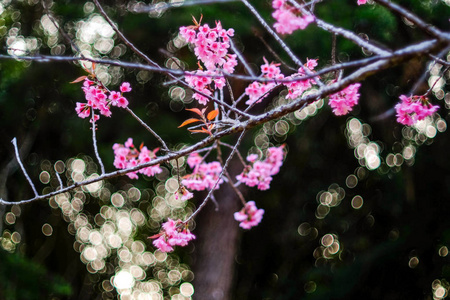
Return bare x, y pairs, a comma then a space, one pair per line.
21, 278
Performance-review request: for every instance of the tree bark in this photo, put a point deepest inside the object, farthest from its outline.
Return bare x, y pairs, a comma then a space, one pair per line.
216, 246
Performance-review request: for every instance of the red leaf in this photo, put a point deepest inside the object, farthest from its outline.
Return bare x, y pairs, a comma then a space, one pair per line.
189, 121
212, 114
155, 236
81, 78
203, 130
196, 110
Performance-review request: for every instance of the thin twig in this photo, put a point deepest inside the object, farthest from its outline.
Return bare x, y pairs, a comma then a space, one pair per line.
224, 167
94, 142
16, 149
149, 129
241, 58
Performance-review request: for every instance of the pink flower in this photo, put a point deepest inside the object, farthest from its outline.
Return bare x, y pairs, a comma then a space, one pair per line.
257, 91
413, 109
211, 47
173, 233
249, 216
259, 173
204, 176
97, 98
125, 87
127, 156
289, 18
183, 193
297, 88
343, 101
360, 2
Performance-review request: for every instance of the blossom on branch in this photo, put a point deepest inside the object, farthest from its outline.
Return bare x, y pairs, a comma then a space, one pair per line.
211, 47
127, 156
297, 88
98, 97
204, 176
257, 91
259, 173
414, 108
289, 18
173, 233
249, 216
343, 101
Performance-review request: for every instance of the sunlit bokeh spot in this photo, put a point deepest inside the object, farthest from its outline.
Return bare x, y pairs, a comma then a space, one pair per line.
327, 240
123, 280
47, 229
413, 262
357, 202
310, 287
351, 181
44, 177
10, 218
443, 251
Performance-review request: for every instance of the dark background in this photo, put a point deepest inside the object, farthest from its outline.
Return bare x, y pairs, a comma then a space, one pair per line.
405, 209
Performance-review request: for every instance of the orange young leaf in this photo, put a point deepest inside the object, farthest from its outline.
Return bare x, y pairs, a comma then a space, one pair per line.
189, 121
141, 146
212, 114
203, 130
81, 78
155, 236
196, 110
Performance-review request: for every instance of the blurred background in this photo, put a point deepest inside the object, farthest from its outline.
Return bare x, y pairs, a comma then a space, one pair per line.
359, 209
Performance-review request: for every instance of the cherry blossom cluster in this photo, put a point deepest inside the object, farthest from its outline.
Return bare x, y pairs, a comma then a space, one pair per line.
211, 47
127, 156
98, 97
289, 18
257, 91
413, 109
343, 101
297, 88
204, 176
249, 216
259, 173
173, 233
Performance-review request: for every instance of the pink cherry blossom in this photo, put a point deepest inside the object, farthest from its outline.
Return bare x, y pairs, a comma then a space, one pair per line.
413, 109
99, 98
211, 47
289, 18
249, 216
127, 156
257, 91
360, 2
204, 176
343, 101
125, 87
297, 88
259, 173
173, 233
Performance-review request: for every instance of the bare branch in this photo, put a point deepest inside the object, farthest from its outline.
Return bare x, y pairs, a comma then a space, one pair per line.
16, 149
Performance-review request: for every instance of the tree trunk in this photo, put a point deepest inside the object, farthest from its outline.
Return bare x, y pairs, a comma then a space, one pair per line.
216, 246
